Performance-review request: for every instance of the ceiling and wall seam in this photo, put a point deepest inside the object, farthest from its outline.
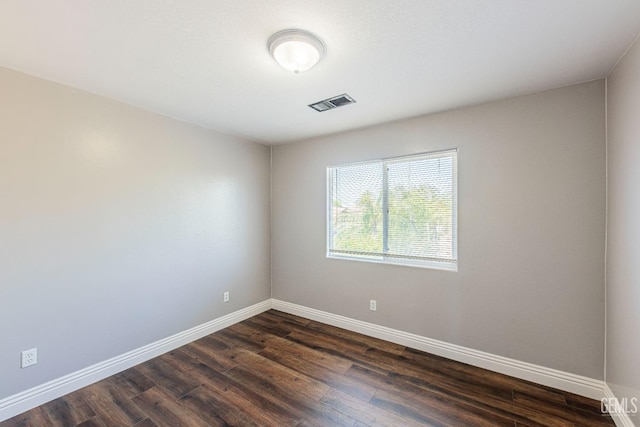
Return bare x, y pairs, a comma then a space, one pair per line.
209, 63
623, 55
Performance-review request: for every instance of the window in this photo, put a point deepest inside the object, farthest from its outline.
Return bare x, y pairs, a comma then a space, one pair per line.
398, 210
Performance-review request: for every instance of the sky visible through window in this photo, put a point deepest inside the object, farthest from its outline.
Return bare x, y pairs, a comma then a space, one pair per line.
419, 219
360, 178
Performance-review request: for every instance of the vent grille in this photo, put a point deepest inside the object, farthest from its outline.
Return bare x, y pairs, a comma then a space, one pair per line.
331, 103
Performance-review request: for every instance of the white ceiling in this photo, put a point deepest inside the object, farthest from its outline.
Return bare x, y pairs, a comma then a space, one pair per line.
206, 61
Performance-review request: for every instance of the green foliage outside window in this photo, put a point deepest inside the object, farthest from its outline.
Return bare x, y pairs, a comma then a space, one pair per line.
419, 218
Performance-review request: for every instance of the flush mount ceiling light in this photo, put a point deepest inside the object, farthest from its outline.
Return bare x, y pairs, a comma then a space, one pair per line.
296, 50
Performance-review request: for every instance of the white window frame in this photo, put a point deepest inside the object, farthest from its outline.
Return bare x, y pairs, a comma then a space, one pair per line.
430, 263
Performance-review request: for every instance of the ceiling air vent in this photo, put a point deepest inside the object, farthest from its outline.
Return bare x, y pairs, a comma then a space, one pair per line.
331, 103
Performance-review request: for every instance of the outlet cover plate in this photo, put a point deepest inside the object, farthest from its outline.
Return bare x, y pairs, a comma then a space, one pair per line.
29, 357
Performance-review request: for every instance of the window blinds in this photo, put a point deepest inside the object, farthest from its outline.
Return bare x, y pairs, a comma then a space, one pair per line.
399, 210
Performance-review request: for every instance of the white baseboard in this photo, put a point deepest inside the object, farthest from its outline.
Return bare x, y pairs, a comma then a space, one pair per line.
577, 384
621, 419
21, 402
28, 399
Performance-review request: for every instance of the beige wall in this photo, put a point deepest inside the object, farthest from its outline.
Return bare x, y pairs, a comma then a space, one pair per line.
623, 230
118, 227
531, 200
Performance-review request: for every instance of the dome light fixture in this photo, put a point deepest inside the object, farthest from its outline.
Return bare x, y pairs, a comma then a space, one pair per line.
296, 50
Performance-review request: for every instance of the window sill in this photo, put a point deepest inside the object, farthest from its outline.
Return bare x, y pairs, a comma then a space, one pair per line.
430, 265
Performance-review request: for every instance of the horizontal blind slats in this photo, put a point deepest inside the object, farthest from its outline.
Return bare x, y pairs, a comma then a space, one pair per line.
419, 222
389, 255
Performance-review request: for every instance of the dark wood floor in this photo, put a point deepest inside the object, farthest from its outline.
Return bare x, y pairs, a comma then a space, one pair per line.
276, 369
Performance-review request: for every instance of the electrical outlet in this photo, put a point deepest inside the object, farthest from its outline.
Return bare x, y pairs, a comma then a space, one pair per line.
29, 357
373, 305
226, 296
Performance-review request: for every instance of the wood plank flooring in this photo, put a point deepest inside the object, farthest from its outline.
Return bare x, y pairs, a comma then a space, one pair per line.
280, 370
